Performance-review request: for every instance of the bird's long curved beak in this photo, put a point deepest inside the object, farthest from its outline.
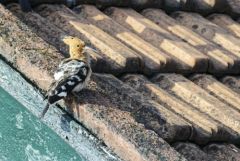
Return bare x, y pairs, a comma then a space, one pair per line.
63, 37
89, 48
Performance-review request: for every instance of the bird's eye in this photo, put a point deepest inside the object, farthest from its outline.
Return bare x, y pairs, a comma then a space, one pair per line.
72, 37
78, 46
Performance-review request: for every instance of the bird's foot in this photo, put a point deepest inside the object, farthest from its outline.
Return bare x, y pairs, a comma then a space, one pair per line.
75, 94
44, 111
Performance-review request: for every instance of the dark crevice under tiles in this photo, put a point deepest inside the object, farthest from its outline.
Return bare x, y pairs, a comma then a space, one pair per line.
234, 7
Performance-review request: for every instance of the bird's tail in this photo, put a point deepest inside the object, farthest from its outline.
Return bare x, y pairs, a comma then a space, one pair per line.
45, 110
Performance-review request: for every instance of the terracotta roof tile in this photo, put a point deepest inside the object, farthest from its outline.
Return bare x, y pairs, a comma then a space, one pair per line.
192, 152
209, 30
186, 57
232, 82
154, 60
224, 152
220, 60
226, 22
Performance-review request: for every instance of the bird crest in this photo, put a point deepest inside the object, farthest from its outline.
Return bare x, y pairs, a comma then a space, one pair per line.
76, 47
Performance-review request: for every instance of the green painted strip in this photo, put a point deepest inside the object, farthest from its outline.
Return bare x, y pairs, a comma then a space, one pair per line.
24, 137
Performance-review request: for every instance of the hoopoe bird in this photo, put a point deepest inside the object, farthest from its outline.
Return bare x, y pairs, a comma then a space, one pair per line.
72, 74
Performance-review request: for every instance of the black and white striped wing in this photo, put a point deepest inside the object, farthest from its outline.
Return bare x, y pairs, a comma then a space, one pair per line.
69, 75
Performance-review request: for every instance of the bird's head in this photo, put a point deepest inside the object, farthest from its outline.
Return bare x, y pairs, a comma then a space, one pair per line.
76, 47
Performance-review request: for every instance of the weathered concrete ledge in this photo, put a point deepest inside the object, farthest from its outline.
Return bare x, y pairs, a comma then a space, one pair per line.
118, 128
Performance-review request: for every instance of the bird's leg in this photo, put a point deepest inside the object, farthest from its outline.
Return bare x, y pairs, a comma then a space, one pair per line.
75, 94
69, 98
77, 97
44, 111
